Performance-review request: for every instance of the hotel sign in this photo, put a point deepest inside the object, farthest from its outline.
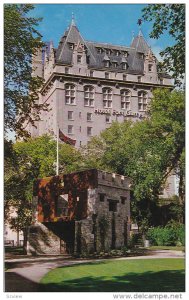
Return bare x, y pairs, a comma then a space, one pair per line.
127, 113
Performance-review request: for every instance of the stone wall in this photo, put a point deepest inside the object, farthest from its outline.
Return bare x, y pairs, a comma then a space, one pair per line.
103, 229
42, 241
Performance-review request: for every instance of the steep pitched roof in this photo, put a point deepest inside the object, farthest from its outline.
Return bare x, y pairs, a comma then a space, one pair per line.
140, 44
71, 36
95, 59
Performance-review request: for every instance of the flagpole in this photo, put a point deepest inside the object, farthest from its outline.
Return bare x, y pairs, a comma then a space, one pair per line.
57, 150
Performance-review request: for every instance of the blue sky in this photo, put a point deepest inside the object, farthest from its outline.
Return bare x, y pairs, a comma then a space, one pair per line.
111, 23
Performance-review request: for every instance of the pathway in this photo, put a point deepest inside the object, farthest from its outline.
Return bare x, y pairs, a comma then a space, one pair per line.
24, 275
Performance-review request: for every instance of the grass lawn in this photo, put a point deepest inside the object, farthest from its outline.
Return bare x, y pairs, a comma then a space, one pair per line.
144, 275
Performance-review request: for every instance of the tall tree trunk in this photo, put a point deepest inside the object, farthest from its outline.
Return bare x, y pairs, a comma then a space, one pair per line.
18, 239
181, 192
25, 234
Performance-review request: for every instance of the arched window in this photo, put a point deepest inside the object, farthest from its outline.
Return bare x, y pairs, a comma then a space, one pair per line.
142, 100
70, 93
89, 96
125, 99
107, 98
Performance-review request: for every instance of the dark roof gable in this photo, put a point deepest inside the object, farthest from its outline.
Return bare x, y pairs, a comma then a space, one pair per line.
135, 64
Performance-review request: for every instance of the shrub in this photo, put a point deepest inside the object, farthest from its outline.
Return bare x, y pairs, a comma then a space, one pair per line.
124, 250
172, 234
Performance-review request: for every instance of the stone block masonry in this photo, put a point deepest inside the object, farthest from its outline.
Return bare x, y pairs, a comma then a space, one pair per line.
82, 212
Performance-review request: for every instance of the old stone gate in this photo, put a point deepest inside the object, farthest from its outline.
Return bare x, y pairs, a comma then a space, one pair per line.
82, 212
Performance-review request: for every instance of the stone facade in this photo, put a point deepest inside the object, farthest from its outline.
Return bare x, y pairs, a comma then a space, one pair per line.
97, 217
88, 85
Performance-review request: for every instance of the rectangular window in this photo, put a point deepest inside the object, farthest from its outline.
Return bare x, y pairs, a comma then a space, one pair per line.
127, 105
161, 80
124, 77
123, 200
89, 116
72, 100
70, 129
144, 106
107, 104
141, 55
107, 64
67, 100
70, 115
113, 206
108, 119
107, 75
108, 51
139, 78
102, 197
124, 66
86, 102
79, 58
140, 106
150, 68
70, 94
89, 96
99, 50
89, 131
71, 46
125, 53
66, 70
91, 73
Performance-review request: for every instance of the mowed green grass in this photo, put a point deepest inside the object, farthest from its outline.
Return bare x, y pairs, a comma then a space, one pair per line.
142, 275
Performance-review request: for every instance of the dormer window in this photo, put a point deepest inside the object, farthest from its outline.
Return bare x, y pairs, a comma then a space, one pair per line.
114, 64
99, 50
124, 66
71, 46
79, 58
125, 53
116, 53
108, 51
141, 55
150, 68
107, 63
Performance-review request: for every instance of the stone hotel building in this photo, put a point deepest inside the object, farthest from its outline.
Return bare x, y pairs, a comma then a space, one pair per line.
88, 85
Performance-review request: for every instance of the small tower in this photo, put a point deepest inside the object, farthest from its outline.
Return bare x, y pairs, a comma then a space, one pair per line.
49, 59
150, 66
37, 63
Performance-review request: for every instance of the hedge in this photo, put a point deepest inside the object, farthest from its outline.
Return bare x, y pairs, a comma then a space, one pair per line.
172, 234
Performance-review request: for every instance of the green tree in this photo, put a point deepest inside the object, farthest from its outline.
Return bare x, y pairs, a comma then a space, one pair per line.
171, 18
26, 161
21, 41
147, 151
